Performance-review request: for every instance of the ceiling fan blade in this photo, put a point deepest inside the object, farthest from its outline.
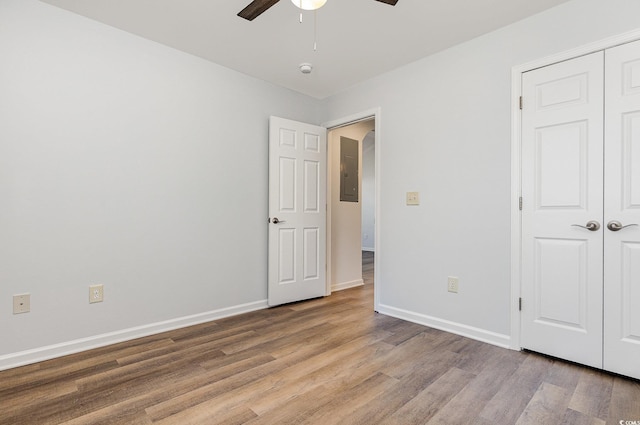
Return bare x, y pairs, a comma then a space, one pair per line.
256, 8
391, 2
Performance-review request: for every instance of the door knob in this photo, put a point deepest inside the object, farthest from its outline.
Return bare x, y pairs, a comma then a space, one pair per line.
615, 225
591, 225
276, 221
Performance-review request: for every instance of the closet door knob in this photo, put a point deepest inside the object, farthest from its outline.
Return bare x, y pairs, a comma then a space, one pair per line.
591, 225
615, 225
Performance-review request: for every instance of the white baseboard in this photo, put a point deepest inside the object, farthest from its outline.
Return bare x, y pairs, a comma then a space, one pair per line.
58, 350
478, 334
346, 285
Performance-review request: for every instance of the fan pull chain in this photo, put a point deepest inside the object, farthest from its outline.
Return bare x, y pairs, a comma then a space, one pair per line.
315, 30
300, 11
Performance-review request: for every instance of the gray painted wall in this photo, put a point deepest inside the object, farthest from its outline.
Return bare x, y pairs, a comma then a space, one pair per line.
117, 158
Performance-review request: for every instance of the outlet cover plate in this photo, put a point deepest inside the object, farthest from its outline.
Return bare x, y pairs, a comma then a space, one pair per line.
21, 303
413, 198
452, 284
96, 294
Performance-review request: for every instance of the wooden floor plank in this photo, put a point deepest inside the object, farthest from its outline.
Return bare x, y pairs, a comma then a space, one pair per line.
247, 383
547, 406
565, 375
112, 400
424, 375
509, 402
331, 371
572, 417
207, 414
421, 408
467, 405
14, 403
338, 410
625, 401
592, 395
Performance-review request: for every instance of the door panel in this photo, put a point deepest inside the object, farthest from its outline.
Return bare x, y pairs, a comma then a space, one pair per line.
562, 147
311, 257
297, 198
287, 255
561, 292
287, 185
622, 204
563, 92
311, 186
562, 143
631, 157
630, 292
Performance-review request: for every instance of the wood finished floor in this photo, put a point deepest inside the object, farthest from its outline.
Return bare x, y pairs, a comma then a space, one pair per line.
324, 361
367, 267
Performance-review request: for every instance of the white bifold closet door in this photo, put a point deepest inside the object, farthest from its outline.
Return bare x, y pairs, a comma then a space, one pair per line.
562, 175
622, 208
581, 206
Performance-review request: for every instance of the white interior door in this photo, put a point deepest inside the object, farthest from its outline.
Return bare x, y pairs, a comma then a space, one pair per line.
562, 172
297, 211
622, 208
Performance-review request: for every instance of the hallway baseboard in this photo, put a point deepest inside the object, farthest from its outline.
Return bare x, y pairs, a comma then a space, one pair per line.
346, 285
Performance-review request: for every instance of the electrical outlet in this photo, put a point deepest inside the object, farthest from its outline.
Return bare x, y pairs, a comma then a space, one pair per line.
452, 284
21, 303
96, 294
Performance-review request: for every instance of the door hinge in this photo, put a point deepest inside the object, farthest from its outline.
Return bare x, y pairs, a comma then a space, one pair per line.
520, 203
520, 102
519, 304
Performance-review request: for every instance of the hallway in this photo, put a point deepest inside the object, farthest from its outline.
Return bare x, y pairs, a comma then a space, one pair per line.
367, 267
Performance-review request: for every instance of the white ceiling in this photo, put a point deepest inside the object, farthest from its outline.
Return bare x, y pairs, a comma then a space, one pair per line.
357, 39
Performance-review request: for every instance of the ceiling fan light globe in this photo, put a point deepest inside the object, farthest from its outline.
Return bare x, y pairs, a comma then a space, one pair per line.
309, 4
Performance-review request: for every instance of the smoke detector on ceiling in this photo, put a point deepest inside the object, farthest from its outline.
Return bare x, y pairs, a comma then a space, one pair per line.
306, 68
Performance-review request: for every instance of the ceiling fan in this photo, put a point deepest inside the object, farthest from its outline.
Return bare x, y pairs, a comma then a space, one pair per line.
258, 7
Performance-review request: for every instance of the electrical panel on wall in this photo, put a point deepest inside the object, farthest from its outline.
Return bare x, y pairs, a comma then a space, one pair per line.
349, 164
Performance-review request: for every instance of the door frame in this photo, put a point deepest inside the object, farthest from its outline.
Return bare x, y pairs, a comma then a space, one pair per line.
375, 114
516, 161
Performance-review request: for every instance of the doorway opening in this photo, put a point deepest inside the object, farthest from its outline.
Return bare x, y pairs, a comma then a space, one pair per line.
368, 185
352, 242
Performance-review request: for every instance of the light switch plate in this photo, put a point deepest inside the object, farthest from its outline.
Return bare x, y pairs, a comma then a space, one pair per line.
413, 198
21, 303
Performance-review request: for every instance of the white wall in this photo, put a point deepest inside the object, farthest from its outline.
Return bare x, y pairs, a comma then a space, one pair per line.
445, 132
346, 217
368, 192
116, 156
126, 163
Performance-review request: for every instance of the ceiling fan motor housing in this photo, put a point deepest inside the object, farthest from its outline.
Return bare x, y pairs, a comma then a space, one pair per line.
258, 7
